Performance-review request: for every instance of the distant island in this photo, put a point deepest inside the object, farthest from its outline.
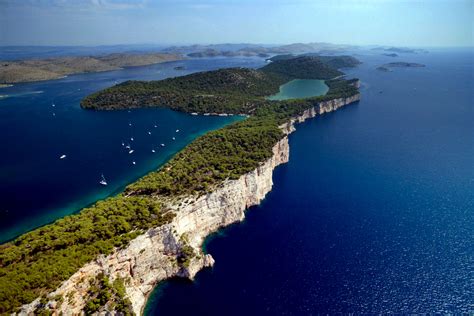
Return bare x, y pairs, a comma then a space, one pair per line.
390, 55
337, 62
252, 50
110, 256
399, 64
402, 50
54, 68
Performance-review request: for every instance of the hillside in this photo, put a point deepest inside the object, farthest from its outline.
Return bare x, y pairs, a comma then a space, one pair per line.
35, 264
54, 68
231, 90
336, 62
304, 67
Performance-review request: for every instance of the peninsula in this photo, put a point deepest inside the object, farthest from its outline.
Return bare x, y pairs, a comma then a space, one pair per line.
110, 256
55, 68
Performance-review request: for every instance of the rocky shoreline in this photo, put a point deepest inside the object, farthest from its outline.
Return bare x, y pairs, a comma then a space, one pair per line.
153, 256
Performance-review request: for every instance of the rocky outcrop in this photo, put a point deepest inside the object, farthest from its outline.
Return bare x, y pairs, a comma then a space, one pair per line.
152, 256
320, 108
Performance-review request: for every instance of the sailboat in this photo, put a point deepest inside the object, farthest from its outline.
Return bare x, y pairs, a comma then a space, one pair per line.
131, 151
102, 181
62, 157
177, 130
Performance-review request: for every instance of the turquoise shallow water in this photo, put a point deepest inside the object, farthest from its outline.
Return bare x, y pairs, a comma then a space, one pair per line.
36, 187
373, 214
300, 88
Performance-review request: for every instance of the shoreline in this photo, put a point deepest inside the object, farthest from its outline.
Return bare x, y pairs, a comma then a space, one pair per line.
151, 257
58, 75
52, 214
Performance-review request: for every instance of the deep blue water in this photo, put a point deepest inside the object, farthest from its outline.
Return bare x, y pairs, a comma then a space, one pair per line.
36, 187
374, 213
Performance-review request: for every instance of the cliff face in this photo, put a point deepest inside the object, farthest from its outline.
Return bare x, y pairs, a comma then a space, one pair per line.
152, 257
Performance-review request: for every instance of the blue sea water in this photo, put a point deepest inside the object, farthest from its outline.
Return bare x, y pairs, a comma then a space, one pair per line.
374, 213
36, 187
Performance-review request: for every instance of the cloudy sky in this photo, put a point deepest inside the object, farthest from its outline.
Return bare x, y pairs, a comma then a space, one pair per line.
362, 22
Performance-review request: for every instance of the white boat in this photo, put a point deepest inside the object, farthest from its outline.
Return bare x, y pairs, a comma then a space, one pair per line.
131, 151
53, 105
133, 162
128, 146
123, 144
174, 138
129, 124
62, 157
149, 133
102, 181
54, 114
131, 138
162, 145
155, 126
152, 150
177, 130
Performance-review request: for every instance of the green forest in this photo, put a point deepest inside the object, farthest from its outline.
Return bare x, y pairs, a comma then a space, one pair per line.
229, 90
37, 262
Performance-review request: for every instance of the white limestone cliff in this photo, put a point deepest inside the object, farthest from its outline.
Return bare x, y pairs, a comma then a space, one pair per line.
152, 257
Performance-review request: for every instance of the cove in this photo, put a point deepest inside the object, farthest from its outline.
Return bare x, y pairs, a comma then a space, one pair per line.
300, 88
37, 187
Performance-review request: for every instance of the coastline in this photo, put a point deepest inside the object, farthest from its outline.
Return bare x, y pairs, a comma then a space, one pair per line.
152, 257
28, 71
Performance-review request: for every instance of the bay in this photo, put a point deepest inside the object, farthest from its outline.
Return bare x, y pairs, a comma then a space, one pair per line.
41, 121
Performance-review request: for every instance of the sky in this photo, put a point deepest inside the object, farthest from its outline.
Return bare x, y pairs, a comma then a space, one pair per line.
412, 23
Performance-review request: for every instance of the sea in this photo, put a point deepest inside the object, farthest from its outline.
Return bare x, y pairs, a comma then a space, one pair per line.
41, 122
374, 213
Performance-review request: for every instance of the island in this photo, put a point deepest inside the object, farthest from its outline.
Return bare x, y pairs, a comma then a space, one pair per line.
401, 50
110, 256
55, 68
400, 64
390, 55
337, 62
253, 50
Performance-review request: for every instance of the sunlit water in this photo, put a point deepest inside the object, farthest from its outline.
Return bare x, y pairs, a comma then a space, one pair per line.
40, 122
374, 213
